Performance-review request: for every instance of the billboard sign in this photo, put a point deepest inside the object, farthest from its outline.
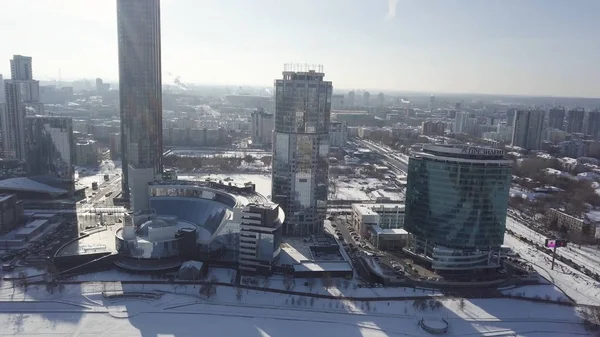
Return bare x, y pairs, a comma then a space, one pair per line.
555, 243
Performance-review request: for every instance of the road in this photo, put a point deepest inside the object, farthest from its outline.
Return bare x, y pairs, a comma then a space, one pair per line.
363, 271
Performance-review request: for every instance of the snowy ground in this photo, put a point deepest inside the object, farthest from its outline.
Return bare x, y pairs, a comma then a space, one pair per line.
81, 310
353, 189
585, 256
344, 288
545, 291
581, 288
363, 189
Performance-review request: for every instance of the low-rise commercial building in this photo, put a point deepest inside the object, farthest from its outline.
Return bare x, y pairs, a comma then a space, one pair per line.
386, 216
260, 237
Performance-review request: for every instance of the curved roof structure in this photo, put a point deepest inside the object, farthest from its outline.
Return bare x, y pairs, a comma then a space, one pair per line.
24, 184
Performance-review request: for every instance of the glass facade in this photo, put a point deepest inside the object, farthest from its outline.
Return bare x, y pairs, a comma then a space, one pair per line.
457, 200
12, 121
50, 146
300, 150
138, 23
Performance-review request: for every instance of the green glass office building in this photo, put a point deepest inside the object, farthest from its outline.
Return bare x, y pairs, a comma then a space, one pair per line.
456, 201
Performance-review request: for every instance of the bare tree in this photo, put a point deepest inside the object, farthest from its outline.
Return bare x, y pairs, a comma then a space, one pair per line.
238, 294
311, 283
288, 282
461, 304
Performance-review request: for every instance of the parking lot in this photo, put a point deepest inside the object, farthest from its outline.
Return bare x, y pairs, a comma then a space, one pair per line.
393, 264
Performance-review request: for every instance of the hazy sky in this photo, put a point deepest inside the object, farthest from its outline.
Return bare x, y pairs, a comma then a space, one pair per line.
540, 47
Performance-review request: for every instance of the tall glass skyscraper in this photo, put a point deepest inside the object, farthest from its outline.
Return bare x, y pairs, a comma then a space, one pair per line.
140, 96
50, 146
456, 201
301, 147
12, 120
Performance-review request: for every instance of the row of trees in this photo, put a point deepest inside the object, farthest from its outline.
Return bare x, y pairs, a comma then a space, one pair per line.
187, 163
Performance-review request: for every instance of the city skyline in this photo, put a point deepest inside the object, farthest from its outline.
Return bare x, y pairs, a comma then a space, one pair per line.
449, 47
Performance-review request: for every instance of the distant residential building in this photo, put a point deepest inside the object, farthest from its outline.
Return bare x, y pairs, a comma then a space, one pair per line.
21, 68
101, 87
11, 212
556, 118
21, 73
86, 151
337, 101
338, 134
366, 98
575, 120
301, 149
261, 127
381, 99
574, 148
50, 146
593, 124
556, 136
260, 237
510, 117
571, 223
433, 128
351, 99
527, 129
115, 145
460, 122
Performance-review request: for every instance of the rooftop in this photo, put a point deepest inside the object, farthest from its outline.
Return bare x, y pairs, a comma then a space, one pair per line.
32, 226
323, 266
29, 185
389, 231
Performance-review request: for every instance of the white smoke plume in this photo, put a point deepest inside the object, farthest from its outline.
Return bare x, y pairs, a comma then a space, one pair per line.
392, 4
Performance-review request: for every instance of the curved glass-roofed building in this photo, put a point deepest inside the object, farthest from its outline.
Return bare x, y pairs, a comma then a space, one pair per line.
456, 201
193, 220
188, 220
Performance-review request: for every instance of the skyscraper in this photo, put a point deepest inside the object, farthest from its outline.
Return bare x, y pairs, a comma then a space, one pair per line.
20, 68
460, 122
456, 200
50, 146
301, 147
261, 129
351, 98
366, 98
12, 121
575, 120
21, 73
593, 124
380, 99
556, 118
527, 129
138, 24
